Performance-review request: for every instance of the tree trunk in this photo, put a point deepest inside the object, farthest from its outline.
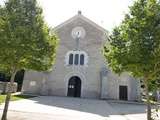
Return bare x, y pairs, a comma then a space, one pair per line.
8, 96
148, 99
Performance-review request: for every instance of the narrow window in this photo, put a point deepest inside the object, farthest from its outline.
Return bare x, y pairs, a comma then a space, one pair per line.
82, 59
2, 77
76, 60
71, 59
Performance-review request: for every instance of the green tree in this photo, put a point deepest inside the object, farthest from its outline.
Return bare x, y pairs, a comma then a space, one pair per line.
26, 41
134, 46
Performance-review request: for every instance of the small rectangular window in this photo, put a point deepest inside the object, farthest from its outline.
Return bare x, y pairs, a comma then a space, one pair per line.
76, 60
82, 59
2, 77
71, 59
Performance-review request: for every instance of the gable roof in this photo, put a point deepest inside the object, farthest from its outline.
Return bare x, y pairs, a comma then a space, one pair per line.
79, 15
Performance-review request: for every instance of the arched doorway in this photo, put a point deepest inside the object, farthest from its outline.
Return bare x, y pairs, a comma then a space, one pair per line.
74, 87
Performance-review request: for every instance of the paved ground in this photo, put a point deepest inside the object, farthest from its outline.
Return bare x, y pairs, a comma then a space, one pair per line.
130, 111
64, 108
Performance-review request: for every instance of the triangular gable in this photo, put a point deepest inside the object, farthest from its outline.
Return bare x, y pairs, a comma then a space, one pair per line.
83, 18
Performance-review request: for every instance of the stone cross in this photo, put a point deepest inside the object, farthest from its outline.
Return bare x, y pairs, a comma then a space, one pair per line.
77, 39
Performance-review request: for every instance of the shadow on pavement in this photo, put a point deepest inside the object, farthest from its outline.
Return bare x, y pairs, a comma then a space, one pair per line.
99, 107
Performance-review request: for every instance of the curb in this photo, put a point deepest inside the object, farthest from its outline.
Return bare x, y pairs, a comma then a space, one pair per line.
128, 102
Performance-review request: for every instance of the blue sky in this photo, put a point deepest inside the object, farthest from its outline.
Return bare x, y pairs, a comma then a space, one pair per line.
106, 13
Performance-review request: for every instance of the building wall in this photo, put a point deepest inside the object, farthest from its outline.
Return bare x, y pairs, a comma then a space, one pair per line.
93, 85
112, 81
56, 82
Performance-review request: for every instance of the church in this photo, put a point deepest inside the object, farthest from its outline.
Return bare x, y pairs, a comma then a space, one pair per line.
80, 69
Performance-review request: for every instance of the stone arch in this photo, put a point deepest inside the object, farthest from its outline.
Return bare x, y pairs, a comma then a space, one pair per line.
74, 87
72, 74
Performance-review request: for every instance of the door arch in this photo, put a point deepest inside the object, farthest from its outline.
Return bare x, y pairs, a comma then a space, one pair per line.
74, 87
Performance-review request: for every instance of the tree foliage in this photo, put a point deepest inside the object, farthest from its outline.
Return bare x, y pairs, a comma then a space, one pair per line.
26, 42
134, 46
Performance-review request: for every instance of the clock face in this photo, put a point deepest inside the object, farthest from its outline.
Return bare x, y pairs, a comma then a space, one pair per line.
78, 32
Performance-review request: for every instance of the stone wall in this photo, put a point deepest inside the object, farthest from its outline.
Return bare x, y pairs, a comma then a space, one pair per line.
94, 85
55, 82
4, 86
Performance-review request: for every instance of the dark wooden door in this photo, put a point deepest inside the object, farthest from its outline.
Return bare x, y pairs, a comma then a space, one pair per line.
74, 87
123, 93
77, 88
71, 88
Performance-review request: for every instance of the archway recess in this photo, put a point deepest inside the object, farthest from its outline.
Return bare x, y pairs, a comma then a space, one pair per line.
74, 87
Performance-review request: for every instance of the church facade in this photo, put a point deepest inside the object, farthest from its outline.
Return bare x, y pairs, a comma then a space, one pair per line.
80, 69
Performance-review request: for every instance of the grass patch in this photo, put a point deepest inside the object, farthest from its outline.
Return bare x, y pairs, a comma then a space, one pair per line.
15, 97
